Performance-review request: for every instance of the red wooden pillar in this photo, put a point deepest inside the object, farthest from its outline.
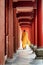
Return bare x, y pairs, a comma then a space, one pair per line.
2, 32
42, 22
39, 23
7, 16
36, 30
15, 30
33, 33
35, 27
18, 36
10, 52
6, 24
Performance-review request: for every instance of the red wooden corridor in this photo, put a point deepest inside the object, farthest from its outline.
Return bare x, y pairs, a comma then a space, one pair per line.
15, 16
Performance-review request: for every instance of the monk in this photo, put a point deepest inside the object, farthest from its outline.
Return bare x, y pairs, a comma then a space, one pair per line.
25, 39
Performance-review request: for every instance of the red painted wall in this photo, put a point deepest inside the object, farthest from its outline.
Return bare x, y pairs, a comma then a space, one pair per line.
28, 29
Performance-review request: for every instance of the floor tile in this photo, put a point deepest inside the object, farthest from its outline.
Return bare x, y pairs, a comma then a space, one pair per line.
24, 57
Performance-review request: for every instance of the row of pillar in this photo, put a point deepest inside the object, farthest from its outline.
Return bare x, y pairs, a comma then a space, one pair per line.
16, 29
13, 29
37, 26
9, 30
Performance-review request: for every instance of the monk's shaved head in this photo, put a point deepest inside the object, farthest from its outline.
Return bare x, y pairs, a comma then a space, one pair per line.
24, 30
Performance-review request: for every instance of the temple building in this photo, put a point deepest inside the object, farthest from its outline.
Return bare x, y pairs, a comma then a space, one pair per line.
16, 16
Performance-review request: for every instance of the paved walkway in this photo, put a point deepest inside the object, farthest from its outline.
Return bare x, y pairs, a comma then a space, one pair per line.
24, 57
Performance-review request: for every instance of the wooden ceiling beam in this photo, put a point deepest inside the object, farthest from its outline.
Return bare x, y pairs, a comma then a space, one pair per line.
28, 17
24, 14
23, 4
25, 20
25, 24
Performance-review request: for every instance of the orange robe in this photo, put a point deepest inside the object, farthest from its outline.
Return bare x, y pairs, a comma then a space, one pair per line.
25, 39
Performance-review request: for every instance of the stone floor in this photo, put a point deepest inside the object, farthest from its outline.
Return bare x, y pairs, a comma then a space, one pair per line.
24, 57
